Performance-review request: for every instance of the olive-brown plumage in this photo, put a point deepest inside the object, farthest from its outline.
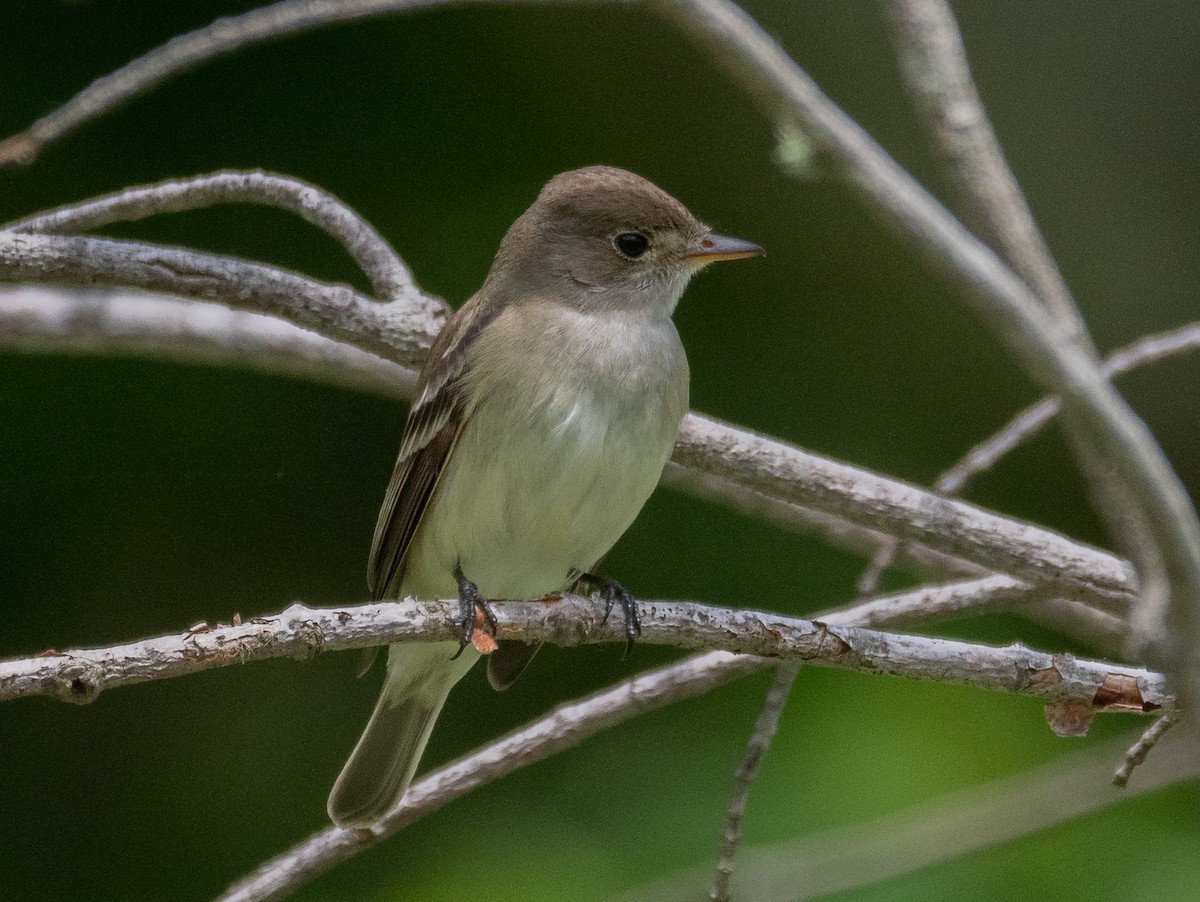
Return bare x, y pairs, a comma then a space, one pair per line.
544, 415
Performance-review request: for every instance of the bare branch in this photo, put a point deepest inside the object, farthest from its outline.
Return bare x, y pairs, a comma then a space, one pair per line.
1140, 750
389, 277
760, 740
935, 831
1028, 423
922, 559
933, 603
934, 63
953, 527
1169, 567
790, 96
43, 318
401, 330
565, 727
301, 631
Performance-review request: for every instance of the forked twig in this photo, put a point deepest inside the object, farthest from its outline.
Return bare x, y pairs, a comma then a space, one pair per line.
1140, 750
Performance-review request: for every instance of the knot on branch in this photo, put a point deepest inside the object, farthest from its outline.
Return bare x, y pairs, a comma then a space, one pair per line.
80, 682
309, 640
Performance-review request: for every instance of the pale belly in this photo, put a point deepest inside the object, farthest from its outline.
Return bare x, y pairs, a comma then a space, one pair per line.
529, 498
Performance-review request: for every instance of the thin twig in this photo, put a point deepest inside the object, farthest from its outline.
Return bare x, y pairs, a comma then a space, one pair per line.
930, 604
1169, 567
186, 51
300, 632
1082, 622
765, 726
1140, 750
389, 277
942, 829
1028, 423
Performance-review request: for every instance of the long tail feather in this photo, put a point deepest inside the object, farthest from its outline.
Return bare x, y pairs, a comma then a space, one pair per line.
420, 676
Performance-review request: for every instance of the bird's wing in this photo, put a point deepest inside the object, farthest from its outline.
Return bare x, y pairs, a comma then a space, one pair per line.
434, 423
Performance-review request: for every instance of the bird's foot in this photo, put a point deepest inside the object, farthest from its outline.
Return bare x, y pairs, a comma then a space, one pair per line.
470, 602
613, 593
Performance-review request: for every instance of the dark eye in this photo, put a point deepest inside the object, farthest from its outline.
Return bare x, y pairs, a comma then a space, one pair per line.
632, 244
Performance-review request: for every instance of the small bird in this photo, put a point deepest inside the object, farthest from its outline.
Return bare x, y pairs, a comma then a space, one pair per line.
544, 415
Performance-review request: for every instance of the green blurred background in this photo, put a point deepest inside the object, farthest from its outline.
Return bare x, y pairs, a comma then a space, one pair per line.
138, 498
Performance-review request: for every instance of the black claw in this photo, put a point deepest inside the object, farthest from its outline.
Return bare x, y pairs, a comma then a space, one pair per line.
470, 601
613, 592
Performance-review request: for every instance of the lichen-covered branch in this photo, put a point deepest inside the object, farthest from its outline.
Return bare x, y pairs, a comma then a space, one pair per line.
301, 631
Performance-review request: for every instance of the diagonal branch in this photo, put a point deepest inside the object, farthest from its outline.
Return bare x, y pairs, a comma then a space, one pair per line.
954, 527
565, 727
186, 51
935, 65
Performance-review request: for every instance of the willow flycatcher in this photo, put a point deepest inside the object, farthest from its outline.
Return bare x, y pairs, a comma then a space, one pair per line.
545, 413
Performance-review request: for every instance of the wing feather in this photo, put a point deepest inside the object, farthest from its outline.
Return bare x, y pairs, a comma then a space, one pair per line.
434, 423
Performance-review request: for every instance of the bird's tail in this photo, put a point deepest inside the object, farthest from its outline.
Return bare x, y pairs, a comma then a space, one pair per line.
420, 676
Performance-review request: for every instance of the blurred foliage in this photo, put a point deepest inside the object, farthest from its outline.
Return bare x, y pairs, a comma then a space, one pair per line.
138, 498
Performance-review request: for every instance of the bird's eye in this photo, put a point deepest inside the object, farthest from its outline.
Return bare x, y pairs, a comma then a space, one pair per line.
632, 244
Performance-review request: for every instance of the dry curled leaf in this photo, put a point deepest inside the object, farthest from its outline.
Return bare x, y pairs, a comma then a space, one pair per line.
1121, 692
1069, 719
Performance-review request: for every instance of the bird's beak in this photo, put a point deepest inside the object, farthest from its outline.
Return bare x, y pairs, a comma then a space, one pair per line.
715, 247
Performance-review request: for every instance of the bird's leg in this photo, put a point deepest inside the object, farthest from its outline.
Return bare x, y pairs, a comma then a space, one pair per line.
470, 601
613, 592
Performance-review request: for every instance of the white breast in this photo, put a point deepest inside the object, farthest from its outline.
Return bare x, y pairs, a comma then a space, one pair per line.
575, 417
